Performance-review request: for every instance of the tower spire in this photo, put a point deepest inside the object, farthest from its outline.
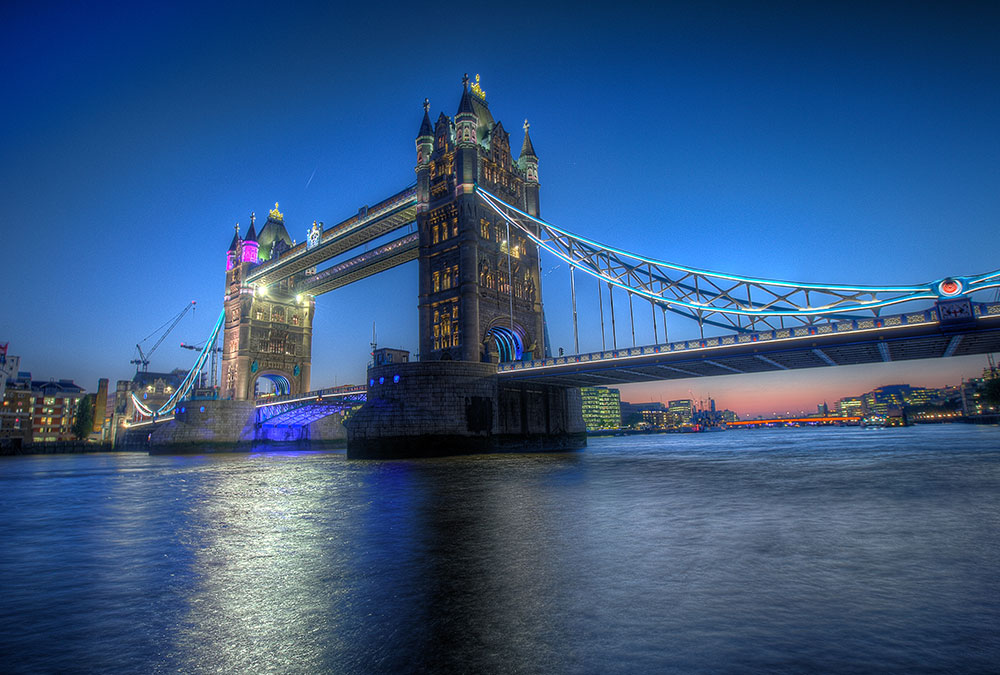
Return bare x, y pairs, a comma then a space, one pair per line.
425, 125
236, 238
252, 232
527, 149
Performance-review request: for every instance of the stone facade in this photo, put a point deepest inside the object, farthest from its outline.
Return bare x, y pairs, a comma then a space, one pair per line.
429, 409
479, 282
267, 331
228, 426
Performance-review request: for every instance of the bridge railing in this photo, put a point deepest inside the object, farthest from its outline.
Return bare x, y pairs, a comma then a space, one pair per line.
344, 390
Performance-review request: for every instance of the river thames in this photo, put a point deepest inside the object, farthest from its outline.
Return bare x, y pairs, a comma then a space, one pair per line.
836, 550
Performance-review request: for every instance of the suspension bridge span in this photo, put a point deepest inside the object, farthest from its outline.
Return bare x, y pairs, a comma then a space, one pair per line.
472, 222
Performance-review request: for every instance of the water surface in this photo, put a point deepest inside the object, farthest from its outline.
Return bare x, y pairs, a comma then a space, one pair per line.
804, 550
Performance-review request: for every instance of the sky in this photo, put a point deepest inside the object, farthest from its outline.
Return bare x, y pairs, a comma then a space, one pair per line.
822, 142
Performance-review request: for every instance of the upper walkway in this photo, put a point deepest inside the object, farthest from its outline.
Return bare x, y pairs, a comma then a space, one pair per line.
370, 223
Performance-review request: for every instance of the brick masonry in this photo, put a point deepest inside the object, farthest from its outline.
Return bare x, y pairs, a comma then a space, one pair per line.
438, 408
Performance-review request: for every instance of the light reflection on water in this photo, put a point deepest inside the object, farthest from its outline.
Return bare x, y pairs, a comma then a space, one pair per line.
833, 550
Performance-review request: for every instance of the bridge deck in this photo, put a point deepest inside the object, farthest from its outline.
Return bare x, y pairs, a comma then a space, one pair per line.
391, 214
916, 335
302, 409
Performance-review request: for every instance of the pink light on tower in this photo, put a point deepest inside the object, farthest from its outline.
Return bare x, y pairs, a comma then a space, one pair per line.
250, 250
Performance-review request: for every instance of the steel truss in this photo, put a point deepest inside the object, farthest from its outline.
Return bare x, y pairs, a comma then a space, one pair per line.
729, 301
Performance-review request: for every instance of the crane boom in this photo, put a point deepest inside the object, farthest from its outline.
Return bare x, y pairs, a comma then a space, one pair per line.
143, 360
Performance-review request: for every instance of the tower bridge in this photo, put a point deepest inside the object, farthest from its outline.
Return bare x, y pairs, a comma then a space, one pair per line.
486, 376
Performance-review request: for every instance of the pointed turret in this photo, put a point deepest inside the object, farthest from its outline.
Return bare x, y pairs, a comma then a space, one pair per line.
425, 125
249, 246
528, 163
465, 105
233, 252
252, 232
425, 137
466, 119
527, 150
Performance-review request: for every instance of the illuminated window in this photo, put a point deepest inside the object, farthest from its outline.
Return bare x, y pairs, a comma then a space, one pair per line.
437, 281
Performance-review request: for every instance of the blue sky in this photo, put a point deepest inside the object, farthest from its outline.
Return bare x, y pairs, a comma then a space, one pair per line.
836, 142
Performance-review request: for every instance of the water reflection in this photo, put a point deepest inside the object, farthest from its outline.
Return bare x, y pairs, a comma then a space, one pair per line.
827, 550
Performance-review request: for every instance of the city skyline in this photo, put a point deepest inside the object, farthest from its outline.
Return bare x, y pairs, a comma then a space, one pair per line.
817, 145
705, 394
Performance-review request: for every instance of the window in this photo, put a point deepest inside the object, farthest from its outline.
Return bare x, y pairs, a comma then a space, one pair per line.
446, 326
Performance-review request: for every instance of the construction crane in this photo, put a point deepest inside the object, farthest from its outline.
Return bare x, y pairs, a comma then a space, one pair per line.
212, 352
142, 363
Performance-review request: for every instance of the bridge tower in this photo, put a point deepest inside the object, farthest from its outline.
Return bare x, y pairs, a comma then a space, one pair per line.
479, 284
267, 332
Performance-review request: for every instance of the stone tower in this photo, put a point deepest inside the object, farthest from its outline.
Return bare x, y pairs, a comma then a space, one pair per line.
267, 331
479, 285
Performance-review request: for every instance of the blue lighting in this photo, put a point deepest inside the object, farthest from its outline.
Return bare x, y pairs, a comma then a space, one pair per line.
371, 383
395, 379
381, 380
508, 343
202, 408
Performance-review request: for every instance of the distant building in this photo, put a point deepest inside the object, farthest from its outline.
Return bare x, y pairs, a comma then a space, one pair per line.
38, 411
658, 419
152, 389
682, 410
55, 410
601, 408
851, 406
973, 399
18, 404
9, 366
100, 405
632, 412
899, 397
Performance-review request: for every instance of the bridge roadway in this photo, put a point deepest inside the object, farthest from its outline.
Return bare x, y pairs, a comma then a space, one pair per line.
898, 337
370, 223
303, 409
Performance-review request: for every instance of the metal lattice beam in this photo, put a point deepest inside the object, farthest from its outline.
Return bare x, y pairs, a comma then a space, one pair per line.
734, 302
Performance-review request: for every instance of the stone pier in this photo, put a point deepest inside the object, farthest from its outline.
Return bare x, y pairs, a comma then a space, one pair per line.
439, 408
230, 426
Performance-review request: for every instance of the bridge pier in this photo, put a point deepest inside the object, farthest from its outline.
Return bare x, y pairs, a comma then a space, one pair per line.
201, 427
441, 408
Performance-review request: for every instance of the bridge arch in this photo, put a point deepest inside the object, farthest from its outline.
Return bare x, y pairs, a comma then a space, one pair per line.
283, 383
508, 342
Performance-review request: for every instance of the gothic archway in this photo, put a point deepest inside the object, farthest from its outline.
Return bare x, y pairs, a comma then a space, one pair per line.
274, 384
509, 343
